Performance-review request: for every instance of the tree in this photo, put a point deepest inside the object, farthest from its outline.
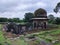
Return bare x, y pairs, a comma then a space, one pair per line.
10, 20
57, 20
51, 18
57, 8
28, 16
16, 20
3, 19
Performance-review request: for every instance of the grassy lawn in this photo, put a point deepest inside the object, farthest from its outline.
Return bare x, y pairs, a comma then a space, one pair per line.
46, 35
17, 42
2, 39
9, 41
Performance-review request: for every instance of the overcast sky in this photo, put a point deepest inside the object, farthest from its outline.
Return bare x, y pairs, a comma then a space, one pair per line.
17, 8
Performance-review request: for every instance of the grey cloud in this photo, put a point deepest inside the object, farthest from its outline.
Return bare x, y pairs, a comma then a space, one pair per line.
17, 8
10, 5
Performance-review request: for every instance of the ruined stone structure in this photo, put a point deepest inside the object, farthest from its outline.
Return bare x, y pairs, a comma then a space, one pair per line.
40, 19
14, 28
38, 22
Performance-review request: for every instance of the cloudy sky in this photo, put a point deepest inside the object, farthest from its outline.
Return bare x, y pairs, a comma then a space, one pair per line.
17, 8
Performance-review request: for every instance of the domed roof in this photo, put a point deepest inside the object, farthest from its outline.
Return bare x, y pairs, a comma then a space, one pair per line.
40, 12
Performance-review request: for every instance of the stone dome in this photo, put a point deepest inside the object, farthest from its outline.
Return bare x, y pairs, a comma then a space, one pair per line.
40, 12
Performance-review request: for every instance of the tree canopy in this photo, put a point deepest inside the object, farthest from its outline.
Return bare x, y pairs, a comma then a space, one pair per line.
57, 8
10, 20
51, 18
28, 16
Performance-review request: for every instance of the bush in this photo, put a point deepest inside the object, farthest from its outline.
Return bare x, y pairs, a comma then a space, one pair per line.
0, 44
52, 26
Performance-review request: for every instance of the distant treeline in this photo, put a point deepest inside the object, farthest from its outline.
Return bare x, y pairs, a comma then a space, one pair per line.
10, 20
53, 20
28, 16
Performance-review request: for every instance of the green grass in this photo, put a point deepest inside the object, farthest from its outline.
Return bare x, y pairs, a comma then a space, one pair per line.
2, 39
19, 41
48, 36
58, 43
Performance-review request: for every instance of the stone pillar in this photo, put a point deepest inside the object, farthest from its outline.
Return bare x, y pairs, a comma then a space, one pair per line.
36, 24
44, 25
33, 24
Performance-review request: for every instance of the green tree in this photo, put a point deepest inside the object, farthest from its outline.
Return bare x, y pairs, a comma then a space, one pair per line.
28, 16
57, 8
16, 20
10, 20
57, 20
3, 19
51, 18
